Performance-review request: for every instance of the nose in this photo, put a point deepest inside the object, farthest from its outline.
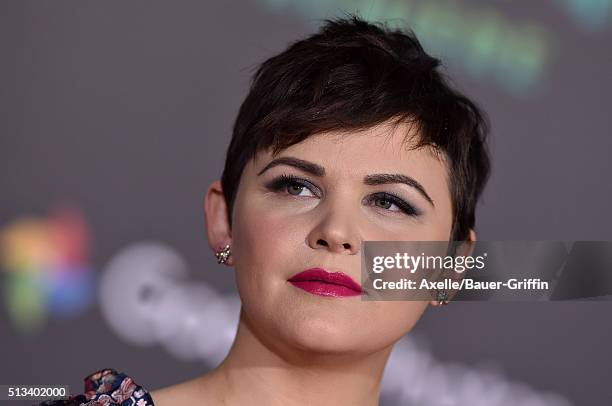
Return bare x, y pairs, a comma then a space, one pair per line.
335, 231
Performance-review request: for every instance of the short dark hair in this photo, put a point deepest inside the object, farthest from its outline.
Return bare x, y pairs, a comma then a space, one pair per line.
352, 75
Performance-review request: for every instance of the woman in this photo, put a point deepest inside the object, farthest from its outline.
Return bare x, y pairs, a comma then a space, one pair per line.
351, 134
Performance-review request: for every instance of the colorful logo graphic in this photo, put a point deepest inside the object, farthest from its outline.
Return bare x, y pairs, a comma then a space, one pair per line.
45, 268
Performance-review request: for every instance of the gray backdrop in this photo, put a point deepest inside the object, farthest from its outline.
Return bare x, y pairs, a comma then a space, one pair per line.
126, 108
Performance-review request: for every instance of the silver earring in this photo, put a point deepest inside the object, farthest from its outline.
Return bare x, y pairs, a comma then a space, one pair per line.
442, 297
223, 254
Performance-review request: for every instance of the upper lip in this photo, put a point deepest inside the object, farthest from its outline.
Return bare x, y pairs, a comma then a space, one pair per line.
320, 274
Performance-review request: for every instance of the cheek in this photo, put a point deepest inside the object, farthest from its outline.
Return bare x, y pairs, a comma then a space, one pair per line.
436, 227
262, 244
262, 232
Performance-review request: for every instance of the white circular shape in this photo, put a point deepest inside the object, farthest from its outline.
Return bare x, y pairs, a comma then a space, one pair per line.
180, 318
131, 285
216, 330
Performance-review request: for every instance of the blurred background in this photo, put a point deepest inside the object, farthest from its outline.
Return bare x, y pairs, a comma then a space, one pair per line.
115, 117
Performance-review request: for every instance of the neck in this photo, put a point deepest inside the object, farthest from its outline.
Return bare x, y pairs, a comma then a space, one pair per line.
258, 371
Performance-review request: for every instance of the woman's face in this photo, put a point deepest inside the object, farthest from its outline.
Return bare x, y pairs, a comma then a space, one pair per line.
281, 229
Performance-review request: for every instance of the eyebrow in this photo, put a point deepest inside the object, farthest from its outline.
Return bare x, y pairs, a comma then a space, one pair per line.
306, 166
372, 180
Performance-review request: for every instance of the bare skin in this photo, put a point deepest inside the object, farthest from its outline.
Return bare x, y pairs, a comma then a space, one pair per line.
292, 347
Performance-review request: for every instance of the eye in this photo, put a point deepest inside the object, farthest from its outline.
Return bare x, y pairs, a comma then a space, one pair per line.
387, 200
292, 185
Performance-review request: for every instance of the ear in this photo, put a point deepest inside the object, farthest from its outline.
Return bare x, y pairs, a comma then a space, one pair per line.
215, 214
466, 248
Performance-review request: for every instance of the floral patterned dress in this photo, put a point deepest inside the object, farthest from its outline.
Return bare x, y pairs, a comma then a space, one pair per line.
107, 387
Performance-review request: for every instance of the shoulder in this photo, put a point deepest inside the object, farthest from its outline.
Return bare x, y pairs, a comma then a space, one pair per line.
107, 387
179, 394
201, 390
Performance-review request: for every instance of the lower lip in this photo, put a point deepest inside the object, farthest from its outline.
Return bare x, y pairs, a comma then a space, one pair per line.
325, 289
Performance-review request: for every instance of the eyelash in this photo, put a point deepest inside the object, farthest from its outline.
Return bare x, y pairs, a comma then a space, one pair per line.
282, 181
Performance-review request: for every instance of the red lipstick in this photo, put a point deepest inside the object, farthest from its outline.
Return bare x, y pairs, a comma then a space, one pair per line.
320, 282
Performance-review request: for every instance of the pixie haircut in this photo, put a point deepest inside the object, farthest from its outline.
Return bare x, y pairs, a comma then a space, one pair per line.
352, 75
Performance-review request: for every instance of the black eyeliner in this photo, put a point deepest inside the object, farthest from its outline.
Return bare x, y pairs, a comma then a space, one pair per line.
284, 180
404, 206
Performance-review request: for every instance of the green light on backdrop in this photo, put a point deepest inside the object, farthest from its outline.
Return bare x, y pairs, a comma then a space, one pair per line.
478, 40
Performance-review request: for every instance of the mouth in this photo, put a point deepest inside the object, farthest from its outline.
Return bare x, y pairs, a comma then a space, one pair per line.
322, 283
